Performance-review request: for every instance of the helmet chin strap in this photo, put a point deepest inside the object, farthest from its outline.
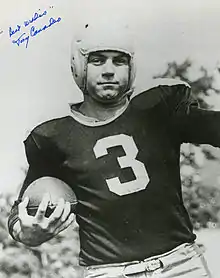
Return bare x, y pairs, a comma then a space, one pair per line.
129, 93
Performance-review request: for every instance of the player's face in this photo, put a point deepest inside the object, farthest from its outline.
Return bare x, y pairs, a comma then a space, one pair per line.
107, 76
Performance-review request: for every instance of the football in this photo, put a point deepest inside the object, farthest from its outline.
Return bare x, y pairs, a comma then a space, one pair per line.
56, 188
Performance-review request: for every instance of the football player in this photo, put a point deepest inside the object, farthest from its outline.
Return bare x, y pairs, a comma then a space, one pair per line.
119, 151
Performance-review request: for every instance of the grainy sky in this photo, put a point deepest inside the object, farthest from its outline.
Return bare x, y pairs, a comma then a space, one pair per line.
36, 84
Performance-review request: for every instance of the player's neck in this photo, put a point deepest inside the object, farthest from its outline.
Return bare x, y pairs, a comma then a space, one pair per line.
99, 111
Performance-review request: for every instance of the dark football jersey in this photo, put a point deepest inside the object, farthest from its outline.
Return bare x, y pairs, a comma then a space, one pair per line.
125, 172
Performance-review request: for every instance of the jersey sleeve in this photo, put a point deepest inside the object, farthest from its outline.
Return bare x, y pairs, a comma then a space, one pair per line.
190, 123
194, 125
171, 92
42, 162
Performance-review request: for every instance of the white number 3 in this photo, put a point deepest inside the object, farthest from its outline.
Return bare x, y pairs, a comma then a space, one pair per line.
129, 160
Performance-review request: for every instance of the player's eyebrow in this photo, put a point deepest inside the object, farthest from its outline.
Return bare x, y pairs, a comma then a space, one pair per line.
122, 55
101, 56
95, 56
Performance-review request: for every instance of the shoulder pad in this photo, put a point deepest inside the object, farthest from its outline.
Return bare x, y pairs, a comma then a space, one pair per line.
157, 82
45, 127
45, 117
157, 90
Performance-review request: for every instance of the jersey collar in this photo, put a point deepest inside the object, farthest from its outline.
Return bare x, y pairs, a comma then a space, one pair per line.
89, 121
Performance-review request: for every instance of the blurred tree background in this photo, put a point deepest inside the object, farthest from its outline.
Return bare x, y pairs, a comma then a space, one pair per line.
58, 258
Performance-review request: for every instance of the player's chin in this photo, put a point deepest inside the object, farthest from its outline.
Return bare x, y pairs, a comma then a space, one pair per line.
110, 99
107, 95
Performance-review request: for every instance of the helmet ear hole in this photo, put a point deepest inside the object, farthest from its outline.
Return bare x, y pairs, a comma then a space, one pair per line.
74, 72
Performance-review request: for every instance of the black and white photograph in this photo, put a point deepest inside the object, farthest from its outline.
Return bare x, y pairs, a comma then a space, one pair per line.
110, 139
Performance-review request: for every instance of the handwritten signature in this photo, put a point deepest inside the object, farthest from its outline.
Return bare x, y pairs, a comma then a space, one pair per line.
33, 31
24, 38
35, 17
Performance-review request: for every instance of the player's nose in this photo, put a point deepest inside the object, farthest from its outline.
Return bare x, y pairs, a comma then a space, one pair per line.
108, 69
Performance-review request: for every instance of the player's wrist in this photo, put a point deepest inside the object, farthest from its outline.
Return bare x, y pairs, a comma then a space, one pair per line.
21, 237
31, 241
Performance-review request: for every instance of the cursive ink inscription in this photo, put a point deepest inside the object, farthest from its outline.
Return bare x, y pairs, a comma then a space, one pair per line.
35, 17
22, 39
34, 31
14, 31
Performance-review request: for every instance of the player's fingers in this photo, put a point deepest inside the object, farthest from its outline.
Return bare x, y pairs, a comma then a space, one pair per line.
66, 224
43, 207
58, 211
22, 208
66, 212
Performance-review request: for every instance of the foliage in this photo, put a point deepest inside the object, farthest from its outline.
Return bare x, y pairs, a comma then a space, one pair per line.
202, 201
202, 86
203, 204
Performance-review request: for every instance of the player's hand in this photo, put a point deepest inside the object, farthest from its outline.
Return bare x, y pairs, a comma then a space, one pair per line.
34, 230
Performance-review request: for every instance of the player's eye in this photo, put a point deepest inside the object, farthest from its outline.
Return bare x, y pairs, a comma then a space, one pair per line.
96, 60
121, 60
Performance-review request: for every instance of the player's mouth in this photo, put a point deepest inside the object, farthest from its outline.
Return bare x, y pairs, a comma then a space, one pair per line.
108, 83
